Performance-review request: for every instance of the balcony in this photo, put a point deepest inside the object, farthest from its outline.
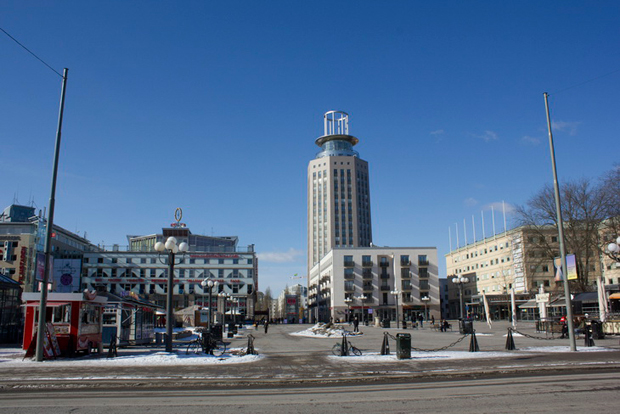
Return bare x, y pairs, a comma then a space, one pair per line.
349, 287
384, 264
349, 263
349, 276
405, 263
385, 276
385, 288
368, 288
367, 275
423, 262
367, 264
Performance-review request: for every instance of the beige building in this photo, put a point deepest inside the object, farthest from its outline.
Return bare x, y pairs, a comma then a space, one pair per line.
497, 264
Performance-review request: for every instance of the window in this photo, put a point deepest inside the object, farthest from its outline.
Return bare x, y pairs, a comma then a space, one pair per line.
348, 260
422, 260
404, 273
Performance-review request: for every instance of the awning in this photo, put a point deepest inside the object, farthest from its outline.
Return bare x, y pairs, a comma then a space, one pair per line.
615, 295
530, 304
48, 304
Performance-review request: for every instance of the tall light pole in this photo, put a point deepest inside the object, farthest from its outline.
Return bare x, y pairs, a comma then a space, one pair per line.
209, 283
348, 301
396, 293
560, 221
50, 226
171, 248
425, 299
460, 281
362, 298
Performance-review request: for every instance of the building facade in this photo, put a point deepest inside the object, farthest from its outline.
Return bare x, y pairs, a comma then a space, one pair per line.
142, 270
375, 283
498, 264
338, 192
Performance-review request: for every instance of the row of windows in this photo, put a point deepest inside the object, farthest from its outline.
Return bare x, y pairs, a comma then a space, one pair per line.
181, 273
481, 252
153, 260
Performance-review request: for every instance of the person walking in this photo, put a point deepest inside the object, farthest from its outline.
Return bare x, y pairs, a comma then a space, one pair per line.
432, 319
356, 325
266, 326
421, 320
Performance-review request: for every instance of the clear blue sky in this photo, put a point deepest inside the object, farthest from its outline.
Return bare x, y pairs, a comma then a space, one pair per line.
214, 107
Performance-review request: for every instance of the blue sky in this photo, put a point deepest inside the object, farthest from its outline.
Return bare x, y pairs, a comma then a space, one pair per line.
214, 107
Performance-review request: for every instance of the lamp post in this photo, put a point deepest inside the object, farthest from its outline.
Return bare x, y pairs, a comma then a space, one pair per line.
210, 284
362, 298
460, 281
224, 298
613, 250
348, 301
171, 248
396, 293
425, 300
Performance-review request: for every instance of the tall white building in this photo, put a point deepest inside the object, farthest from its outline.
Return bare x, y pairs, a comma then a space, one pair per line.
347, 275
338, 192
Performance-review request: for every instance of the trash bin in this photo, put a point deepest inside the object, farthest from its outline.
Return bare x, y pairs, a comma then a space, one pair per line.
159, 338
597, 330
403, 346
466, 326
217, 331
386, 323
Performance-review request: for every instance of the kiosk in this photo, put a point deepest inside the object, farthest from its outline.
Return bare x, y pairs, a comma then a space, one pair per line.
76, 320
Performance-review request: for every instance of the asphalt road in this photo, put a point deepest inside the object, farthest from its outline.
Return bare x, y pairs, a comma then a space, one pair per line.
568, 393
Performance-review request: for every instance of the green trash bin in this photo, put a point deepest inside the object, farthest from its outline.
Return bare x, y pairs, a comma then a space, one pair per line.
403, 346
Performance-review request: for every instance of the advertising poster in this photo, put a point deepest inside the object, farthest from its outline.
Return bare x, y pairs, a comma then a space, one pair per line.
67, 275
571, 264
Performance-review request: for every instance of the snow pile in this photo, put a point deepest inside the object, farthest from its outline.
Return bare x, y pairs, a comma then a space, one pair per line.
153, 359
322, 330
377, 357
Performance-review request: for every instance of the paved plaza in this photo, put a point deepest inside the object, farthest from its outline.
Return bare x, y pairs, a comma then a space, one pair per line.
288, 358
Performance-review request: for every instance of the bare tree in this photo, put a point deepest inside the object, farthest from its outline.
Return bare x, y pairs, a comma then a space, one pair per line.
585, 205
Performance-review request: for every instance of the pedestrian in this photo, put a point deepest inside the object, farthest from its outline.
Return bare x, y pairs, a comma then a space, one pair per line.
432, 319
421, 320
266, 326
356, 325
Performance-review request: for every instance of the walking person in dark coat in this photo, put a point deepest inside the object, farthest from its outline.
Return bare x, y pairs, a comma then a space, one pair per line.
356, 325
266, 326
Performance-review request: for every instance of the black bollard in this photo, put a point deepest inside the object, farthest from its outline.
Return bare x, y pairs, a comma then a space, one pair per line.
251, 350
588, 341
510, 342
385, 347
473, 343
344, 349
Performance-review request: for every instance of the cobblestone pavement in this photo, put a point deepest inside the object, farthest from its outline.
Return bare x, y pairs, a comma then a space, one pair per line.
290, 359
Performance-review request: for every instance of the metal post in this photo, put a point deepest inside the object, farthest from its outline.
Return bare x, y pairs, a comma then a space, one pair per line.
558, 208
210, 306
169, 312
50, 225
461, 297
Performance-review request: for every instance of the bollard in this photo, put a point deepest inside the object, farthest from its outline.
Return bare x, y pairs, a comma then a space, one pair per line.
344, 349
510, 342
473, 343
588, 341
251, 350
385, 347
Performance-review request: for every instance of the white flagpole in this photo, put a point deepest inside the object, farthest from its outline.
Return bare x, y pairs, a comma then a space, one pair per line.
504, 209
457, 235
473, 227
483, 235
450, 236
493, 219
465, 231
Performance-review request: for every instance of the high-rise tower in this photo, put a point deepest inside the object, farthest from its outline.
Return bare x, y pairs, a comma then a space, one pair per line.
338, 192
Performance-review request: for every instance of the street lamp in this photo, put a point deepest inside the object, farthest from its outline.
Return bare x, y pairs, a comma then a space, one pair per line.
348, 301
171, 248
224, 297
460, 281
613, 250
425, 299
362, 298
396, 293
210, 284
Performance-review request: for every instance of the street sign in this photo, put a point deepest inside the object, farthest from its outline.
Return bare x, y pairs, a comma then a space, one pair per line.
542, 297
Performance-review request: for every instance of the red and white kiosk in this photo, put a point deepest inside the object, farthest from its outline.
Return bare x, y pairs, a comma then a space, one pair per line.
74, 322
